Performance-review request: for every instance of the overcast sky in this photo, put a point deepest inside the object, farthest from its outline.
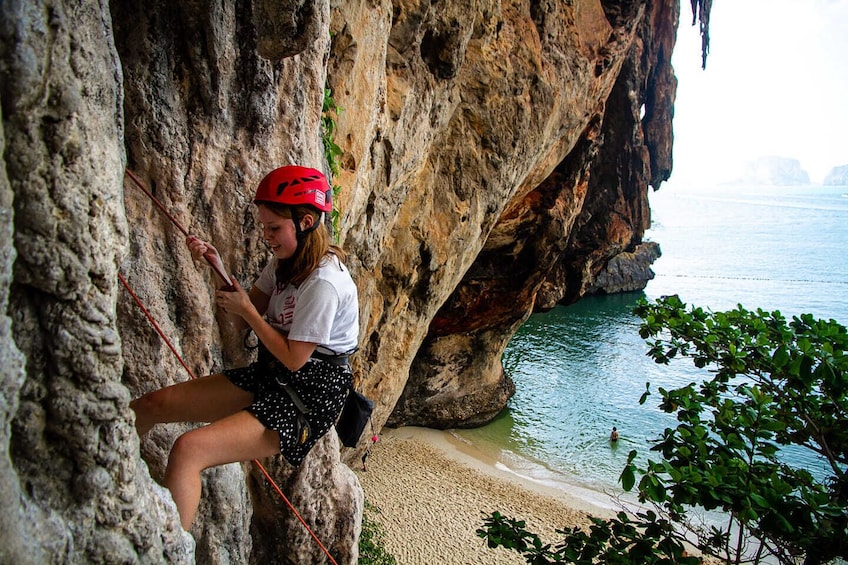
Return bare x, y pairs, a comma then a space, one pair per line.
776, 83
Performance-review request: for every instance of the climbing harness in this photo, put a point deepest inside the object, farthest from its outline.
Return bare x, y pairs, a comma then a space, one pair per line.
219, 269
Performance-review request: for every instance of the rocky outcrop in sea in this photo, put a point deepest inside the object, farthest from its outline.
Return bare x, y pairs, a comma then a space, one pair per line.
838, 176
774, 171
628, 271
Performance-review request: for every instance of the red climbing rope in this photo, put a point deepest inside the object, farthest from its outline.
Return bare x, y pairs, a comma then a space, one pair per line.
161, 333
155, 325
212, 258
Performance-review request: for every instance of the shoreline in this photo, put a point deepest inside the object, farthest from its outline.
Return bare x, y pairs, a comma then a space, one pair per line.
433, 491
463, 451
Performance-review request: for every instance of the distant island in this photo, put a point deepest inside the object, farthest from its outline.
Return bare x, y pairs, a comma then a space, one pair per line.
838, 176
775, 171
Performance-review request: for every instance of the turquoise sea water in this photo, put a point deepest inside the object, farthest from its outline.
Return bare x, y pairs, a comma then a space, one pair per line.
579, 370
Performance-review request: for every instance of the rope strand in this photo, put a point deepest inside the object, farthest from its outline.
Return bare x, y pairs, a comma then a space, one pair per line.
156, 201
212, 258
155, 325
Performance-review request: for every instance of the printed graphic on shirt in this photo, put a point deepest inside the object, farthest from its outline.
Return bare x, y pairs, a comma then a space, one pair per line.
287, 313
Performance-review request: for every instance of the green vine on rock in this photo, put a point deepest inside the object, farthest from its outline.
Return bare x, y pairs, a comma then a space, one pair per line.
332, 152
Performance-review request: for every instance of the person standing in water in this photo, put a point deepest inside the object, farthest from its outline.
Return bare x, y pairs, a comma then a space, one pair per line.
614, 435
304, 309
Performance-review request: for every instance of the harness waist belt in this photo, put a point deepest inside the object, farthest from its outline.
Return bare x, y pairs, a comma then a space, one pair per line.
340, 360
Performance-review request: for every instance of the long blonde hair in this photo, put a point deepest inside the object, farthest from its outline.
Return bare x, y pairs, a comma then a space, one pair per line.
312, 246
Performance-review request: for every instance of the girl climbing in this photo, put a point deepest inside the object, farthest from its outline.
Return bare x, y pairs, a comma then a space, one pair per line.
304, 310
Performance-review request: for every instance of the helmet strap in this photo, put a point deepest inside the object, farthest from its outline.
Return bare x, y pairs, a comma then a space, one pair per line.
300, 233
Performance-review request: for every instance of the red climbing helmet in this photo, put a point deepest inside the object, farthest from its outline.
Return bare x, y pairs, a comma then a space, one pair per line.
296, 186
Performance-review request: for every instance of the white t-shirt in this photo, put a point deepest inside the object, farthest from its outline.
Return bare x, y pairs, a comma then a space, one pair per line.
324, 309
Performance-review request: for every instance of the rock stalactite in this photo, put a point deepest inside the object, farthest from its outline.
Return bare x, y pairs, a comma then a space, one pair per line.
496, 155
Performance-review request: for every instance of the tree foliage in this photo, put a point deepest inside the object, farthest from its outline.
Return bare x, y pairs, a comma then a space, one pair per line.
648, 540
775, 385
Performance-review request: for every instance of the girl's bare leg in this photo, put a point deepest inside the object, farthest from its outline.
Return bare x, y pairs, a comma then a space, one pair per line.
239, 437
199, 400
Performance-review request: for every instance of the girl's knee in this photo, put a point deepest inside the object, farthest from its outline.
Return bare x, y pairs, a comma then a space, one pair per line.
188, 451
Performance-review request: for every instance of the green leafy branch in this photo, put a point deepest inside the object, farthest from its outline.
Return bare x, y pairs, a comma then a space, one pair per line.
620, 541
775, 383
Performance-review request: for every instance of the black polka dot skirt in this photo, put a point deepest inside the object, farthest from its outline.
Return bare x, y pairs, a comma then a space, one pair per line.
321, 386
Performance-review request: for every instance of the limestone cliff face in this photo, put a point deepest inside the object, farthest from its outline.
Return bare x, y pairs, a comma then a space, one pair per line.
581, 201
495, 156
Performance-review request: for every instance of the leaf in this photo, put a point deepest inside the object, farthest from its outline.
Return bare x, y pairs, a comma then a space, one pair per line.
628, 477
761, 502
645, 394
780, 357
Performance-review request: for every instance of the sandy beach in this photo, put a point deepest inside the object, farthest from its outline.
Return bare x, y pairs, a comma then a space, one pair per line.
432, 492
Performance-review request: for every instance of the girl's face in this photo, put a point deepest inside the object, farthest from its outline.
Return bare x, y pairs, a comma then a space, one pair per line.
278, 232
